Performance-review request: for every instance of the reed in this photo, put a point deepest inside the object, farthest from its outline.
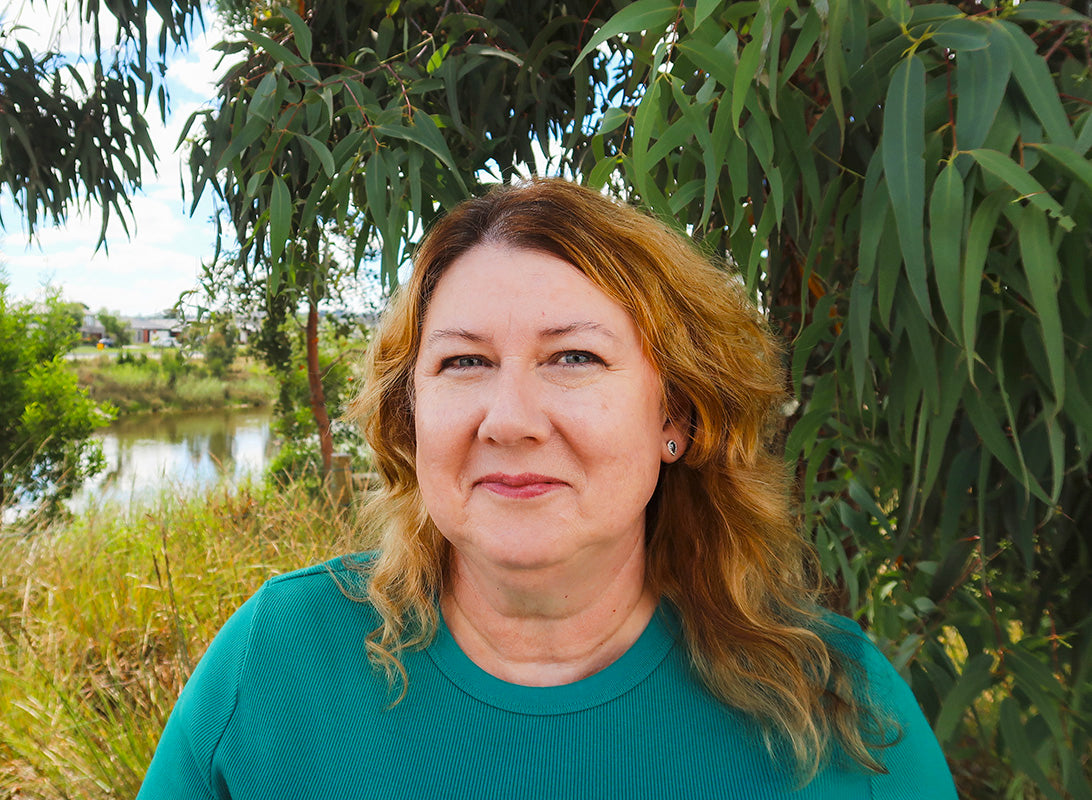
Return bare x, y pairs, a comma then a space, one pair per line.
103, 618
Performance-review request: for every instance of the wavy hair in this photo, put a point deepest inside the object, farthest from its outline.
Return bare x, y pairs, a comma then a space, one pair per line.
722, 543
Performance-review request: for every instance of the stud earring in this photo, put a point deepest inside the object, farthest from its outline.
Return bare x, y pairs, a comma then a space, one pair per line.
672, 447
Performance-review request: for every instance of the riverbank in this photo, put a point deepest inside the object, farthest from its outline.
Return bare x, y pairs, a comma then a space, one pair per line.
103, 618
138, 384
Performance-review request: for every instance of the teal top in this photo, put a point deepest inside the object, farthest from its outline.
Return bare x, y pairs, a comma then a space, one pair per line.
286, 705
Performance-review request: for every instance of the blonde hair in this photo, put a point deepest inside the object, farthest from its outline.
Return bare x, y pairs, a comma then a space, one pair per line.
723, 546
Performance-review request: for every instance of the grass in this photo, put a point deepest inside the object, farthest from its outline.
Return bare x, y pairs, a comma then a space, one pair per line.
142, 384
103, 618
195, 391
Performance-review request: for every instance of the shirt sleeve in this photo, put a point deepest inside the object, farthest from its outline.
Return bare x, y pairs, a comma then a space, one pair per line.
182, 768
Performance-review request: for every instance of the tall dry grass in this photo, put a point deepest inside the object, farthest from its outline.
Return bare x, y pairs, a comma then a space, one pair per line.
103, 618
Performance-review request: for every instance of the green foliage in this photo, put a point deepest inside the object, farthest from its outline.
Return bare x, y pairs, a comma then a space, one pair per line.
45, 417
218, 342
67, 137
138, 384
906, 188
372, 113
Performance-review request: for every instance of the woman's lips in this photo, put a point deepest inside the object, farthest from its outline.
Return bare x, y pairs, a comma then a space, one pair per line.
522, 486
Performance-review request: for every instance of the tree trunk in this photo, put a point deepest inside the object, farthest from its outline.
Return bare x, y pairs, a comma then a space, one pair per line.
318, 397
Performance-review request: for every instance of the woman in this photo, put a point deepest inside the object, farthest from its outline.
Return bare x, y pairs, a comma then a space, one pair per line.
588, 581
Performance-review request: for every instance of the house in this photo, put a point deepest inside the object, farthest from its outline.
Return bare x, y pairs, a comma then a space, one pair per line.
91, 330
146, 329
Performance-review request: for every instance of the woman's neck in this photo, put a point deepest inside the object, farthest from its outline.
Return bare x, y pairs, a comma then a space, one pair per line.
547, 629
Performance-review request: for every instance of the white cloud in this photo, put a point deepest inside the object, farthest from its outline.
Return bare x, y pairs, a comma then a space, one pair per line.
133, 280
141, 275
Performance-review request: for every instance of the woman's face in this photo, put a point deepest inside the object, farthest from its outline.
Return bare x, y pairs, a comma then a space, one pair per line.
540, 428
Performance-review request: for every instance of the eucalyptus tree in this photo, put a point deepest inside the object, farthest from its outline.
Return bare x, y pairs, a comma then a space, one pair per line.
906, 188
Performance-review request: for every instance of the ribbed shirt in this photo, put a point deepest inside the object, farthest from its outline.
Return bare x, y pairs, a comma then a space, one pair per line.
284, 704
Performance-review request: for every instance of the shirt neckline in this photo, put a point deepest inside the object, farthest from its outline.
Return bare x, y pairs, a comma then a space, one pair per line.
630, 669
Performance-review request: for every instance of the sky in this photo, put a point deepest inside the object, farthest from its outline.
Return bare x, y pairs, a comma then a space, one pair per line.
145, 274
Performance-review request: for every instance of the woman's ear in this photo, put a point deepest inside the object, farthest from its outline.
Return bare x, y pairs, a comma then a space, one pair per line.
678, 426
675, 442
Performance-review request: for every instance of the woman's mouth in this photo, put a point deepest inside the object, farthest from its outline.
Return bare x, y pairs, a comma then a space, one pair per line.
522, 486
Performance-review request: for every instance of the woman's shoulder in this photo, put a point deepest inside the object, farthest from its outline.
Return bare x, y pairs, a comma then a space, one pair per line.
848, 638
344, 577
910, 753
874, 678
351, 565
288, 614
293, 624
327, 594
319, 606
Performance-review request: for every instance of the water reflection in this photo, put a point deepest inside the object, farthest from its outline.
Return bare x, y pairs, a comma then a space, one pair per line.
178, 452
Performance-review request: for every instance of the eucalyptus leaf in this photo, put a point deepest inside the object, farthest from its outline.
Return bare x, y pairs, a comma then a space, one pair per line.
904, 168
652, 15
982, 75
1040, 262
962, 34
322, 153
946, 239
1021, 181
300, 32
280, 218
1033, 76
275, 49
975, 678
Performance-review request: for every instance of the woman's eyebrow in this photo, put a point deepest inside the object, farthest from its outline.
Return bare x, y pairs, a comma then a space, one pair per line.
462, 334
576, 327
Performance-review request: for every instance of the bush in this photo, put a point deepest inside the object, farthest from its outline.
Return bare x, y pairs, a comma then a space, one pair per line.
46, 419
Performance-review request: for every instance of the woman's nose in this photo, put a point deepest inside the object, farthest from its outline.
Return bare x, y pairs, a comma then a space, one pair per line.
514, 411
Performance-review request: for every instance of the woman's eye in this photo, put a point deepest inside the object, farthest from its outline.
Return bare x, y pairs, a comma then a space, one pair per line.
576, 358
462, 362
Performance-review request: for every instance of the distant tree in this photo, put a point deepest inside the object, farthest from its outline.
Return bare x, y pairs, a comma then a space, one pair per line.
71, 317
300, 457
116, 328
219, 344
45, 417
59, 320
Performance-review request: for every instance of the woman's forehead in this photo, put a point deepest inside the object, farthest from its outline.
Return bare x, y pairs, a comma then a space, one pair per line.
494, 285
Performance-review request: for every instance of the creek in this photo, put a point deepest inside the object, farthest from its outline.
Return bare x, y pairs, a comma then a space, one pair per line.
181, 453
